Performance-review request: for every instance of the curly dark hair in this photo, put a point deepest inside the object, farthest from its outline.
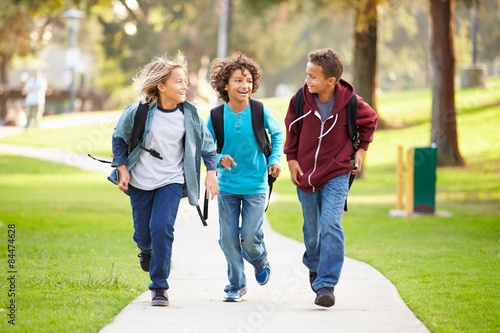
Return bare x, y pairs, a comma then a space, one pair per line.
223, 68
330, 61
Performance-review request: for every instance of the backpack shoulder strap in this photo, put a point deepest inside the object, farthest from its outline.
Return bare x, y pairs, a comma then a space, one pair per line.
139, 125
299, 106
352, 114
217, 117
257, 111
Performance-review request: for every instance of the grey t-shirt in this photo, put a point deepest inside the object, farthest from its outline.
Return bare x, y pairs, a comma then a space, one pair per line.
324, 108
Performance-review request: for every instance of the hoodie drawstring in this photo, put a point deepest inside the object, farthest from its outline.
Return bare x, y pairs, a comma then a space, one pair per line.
293, 122
336, 117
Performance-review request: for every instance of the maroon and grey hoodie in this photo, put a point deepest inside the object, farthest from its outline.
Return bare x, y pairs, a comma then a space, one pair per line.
323, 148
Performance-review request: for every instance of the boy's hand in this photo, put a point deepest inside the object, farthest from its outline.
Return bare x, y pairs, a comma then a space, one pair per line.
294, 167
226, 161
123, 177
211, 184
358, 161
274, 170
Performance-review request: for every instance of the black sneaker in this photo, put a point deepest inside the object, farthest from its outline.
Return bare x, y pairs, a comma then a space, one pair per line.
145, 259
312, 277
159, 297
324, 297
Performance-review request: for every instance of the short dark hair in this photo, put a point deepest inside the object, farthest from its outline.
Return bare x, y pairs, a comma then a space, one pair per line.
223, 68
330, 61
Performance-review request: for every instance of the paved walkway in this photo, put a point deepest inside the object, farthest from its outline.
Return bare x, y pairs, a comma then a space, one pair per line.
365, 300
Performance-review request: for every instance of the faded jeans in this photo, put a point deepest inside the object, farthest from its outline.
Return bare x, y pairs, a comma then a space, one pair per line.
241, 242
323, 233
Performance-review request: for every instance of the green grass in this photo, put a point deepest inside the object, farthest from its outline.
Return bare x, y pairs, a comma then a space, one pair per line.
445, 269
74, 254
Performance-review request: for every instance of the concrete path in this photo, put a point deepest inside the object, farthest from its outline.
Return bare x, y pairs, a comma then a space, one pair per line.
365, 300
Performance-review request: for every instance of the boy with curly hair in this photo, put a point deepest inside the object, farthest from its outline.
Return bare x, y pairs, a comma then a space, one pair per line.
318, 156
242, 172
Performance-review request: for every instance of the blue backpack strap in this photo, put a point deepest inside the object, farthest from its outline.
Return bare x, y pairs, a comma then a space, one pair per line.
139, 126
217, 117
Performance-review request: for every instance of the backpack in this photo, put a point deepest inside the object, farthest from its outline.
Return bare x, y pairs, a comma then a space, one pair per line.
261, 136
352, 112
136, 139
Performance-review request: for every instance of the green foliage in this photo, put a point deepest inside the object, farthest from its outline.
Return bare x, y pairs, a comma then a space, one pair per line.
74, 255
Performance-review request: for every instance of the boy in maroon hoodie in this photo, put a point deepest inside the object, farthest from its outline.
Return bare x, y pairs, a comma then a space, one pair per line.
318, 157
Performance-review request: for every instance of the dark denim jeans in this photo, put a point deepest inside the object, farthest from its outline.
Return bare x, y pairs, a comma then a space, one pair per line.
323, 233
241, 242
154, 215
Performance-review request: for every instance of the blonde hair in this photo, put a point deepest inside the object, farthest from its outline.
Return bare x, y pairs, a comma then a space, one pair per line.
157, 71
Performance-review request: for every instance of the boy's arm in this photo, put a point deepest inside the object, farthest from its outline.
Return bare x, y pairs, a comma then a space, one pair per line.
366, 122
210, 128
210, 160
276, 133
207, 147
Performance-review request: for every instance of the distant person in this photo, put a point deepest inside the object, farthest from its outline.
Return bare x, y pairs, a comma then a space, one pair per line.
164, 164
35, 90
243, 171
318, 156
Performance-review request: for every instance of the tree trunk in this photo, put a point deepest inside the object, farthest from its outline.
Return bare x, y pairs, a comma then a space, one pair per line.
365, 53
444, 123
4, 68
4, 74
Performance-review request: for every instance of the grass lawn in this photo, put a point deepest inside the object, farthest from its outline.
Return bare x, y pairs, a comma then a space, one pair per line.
75, 261
73, 231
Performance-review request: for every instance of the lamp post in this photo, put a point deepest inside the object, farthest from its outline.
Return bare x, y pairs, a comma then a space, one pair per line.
72, 18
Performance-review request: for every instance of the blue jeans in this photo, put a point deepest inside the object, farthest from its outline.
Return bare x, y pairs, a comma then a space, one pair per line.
154, 215
323, 234
241, 242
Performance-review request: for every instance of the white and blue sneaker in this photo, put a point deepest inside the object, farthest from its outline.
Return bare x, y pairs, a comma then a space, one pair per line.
263, 273
235, 295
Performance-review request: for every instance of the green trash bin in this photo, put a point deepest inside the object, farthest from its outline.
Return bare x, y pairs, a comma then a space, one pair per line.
424, 179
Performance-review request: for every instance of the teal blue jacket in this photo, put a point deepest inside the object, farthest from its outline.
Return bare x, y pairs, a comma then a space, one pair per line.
198, 143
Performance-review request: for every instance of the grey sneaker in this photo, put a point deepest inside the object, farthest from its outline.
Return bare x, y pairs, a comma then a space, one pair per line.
145, 260
235, 295
159, 297
324, 297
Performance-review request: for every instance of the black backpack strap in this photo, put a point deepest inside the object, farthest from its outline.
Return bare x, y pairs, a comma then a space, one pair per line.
257, 111
299, 106
352, 114
139, 125
217, 117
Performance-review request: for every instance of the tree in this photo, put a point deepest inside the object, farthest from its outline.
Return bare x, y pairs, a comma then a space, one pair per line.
135, 31
444, 124
23, 30
365, 50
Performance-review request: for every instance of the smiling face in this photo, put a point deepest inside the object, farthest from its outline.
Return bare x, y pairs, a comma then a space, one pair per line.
239, 86
317, 82
173, 90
